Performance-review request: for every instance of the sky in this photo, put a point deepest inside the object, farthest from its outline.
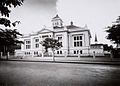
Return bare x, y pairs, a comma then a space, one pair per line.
96, 14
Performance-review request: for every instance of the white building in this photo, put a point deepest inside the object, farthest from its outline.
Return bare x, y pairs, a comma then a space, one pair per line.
74, 40
98, 49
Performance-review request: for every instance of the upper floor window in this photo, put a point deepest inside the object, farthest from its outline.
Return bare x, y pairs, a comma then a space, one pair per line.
28, 42
36, 40
27, 46
36, 45
78, 37
78, 41
60, 38
45, 36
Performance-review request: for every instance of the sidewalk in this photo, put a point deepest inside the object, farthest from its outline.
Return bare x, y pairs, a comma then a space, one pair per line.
81, 60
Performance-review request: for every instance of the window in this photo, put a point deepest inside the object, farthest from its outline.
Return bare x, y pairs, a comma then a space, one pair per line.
78, 44
36, 40
80, 51
74, 44
77, 51
60, 52
57, 23
75, 38
59, 38
78, 41
35, 53
45, 36
27, 42
61, 43
80, 37
27, 53
36, 45
74, 52
27, 46
57, 52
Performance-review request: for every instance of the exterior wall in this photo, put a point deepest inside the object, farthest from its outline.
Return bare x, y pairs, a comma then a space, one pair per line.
85, 44
67, 42
97, 49
71, 46
64, 41
98, 52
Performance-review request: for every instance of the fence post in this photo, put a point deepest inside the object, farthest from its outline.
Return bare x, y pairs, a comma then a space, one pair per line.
8, 55
32, 54
65, 54
1, 54
42, 54
93, 54
79, 55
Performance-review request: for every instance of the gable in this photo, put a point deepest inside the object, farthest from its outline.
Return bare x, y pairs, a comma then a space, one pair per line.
45, 31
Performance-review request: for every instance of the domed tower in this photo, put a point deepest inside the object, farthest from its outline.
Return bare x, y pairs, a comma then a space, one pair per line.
57, 22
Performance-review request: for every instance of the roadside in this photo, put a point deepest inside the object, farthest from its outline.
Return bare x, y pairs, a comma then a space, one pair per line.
81, 60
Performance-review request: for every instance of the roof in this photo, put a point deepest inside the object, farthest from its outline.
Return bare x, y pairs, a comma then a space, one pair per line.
96, 44
56, 17
44, 31
71, 26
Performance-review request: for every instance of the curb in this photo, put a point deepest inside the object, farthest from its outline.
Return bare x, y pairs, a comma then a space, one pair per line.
73, 62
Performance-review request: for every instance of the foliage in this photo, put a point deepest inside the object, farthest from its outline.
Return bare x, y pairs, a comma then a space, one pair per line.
5, 6
51, 43
107, 48
8, 40
8, 37
114, 32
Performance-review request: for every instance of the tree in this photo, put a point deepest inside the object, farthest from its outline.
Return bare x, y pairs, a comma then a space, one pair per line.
51, 43
114, 32
5, 6
107, 48
8, 37
9, 40
114, 36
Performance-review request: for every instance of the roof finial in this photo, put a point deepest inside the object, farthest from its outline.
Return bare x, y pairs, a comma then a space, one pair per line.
71, 23
44, 26
86, 26
96, 39
56, 16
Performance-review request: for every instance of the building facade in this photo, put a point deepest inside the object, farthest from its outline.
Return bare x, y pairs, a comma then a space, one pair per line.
75, 40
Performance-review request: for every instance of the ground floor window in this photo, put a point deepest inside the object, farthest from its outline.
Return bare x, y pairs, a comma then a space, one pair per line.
74, 52
59, 52
27, 53
35, 53
77, 51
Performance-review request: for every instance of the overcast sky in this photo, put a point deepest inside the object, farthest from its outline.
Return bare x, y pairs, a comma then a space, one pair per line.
97, 14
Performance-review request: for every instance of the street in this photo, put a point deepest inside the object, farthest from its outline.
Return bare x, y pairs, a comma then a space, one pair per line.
15, 73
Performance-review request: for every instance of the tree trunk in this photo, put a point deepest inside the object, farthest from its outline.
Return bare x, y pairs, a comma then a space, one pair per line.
53, 55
